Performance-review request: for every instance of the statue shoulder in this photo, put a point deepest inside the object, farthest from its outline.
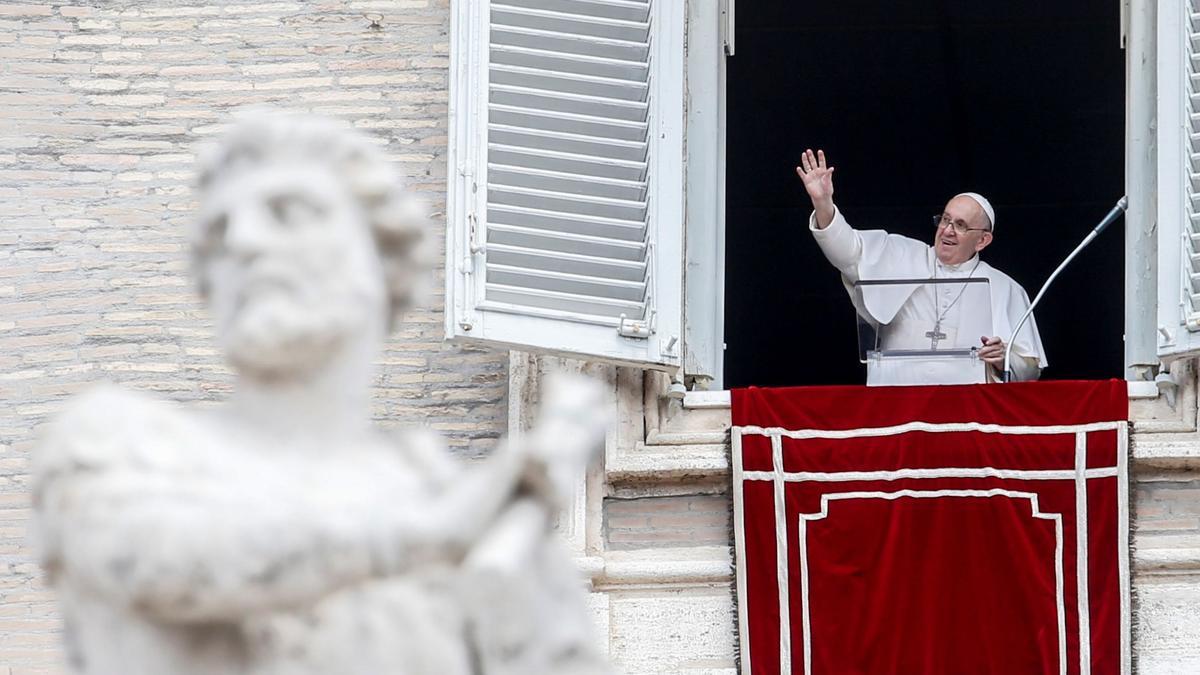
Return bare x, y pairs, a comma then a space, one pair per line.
105, 425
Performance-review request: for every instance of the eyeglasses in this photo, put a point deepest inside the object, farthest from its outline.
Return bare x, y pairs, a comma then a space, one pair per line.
943, 220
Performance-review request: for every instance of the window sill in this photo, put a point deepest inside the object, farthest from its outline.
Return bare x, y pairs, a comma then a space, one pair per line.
708, 400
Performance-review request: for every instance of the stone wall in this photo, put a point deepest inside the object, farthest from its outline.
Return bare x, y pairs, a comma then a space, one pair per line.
102, 105
1166, 527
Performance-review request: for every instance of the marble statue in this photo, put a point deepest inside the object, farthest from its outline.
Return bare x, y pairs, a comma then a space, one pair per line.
281, 533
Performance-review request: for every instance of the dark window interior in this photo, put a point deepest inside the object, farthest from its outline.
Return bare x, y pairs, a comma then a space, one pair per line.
913, 102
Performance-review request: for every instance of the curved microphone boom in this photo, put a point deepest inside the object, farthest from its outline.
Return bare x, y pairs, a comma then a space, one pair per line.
1122, 204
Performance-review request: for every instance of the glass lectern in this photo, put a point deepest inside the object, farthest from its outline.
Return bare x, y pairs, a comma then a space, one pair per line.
923, 331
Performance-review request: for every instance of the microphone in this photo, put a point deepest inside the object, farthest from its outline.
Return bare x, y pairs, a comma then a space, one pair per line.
1122, 204
1116, 212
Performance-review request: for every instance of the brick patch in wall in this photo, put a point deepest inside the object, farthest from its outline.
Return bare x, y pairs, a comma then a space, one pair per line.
1168, 504
655, 522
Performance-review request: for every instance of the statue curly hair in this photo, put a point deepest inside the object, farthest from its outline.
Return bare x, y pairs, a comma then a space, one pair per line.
396, 219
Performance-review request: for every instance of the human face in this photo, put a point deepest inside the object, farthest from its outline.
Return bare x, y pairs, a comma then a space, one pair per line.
291, 268
953, 248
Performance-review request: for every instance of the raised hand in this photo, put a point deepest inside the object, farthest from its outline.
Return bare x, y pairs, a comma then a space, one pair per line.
818, 183
817, 178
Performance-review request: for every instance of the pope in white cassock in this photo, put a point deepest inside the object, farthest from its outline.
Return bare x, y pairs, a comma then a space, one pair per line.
963, 230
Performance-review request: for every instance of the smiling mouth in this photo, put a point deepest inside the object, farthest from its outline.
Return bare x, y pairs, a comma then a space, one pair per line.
947, 242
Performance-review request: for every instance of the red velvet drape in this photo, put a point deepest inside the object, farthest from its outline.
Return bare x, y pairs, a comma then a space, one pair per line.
947, 547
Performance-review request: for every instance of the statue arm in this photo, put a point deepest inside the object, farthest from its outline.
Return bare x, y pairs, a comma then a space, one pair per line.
208, 548
178, 543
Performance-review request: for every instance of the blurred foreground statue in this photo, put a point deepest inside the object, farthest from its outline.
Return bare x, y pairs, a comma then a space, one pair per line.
281, 533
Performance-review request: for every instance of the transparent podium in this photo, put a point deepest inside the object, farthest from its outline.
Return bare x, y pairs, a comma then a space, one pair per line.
923, 331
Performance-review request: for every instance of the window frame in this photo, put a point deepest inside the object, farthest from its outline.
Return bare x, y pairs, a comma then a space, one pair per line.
468, 316
1176, 339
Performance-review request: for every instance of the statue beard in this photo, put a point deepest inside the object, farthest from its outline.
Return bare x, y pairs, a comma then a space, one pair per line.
275, 337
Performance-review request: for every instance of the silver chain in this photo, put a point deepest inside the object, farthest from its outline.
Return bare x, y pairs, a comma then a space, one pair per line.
937, 324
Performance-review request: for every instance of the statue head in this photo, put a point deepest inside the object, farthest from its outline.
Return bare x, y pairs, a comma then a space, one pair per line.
305, 242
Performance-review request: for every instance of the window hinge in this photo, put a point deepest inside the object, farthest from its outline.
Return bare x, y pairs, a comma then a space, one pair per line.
473, 224
669, 348
634, 328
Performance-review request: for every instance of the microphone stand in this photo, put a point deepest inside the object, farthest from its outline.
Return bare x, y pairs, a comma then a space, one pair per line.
1122, 204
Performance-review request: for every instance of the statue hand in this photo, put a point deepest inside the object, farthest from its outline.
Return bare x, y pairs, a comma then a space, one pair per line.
570, 429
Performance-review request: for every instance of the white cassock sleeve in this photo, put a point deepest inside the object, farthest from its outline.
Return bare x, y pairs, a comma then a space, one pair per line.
840, 243
1024, 368
872, 254
1028, 355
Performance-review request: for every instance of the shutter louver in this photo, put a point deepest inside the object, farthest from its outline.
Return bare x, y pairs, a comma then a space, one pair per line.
1177, 202
1191, 225
565, 211
568, 132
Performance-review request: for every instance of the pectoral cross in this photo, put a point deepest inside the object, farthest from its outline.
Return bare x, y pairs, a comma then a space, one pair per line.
935, 335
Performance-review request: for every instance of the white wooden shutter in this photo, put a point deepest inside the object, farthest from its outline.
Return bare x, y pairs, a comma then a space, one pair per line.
565, 214
1178, 203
